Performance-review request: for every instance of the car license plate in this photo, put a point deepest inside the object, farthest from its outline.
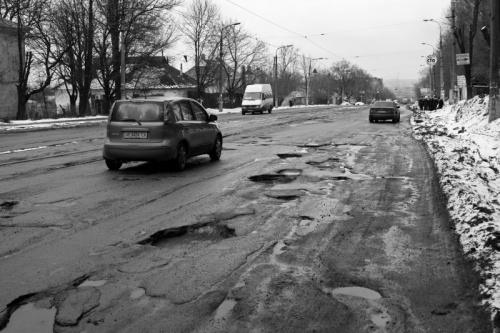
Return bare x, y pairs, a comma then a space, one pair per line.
135, 135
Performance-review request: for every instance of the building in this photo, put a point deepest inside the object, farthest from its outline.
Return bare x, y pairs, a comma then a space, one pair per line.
9, 65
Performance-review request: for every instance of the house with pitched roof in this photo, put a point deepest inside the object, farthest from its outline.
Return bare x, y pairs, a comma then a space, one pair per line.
145, 76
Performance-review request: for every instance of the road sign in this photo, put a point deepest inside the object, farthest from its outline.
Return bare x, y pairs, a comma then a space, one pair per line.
463, 59
431, 60
461, 81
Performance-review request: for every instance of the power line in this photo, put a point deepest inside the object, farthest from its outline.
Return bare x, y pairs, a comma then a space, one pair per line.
279, 26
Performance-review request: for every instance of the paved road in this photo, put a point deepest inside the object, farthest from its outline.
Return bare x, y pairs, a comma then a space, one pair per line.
314, 220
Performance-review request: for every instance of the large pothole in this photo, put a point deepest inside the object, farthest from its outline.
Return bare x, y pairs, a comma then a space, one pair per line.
281, 176
208, 231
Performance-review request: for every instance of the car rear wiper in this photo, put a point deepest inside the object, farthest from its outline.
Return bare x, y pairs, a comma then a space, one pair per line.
132, 119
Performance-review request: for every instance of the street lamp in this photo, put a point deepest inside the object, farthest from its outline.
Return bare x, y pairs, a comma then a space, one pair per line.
432, 86
308, 75
221, 102
276, 98
441, 92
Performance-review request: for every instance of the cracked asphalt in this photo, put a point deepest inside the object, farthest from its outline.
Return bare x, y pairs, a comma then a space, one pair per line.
314, 220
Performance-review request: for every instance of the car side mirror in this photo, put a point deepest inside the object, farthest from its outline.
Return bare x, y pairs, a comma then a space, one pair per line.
212, 118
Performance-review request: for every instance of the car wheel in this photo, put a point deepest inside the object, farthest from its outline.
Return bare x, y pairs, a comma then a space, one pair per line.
113, 165
243, 112
370, 119
181, 157
395, 120
261, 111
216, 150
269, 110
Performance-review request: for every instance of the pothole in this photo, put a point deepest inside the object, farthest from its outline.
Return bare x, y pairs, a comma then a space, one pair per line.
209, 231
284, 194
314, 145
289, 155
357, 292
7, 205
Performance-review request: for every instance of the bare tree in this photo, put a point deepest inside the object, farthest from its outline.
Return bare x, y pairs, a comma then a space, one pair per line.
344, 77
200, 22
289, 78
242, 49
465, 32
148, 29
74, 22
35, 28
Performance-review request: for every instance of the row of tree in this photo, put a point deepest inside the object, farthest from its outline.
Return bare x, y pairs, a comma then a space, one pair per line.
464, 29
76, 43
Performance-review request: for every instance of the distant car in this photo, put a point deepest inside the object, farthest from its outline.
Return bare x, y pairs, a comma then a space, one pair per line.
160, 129
359, 103
384, 110
345, 103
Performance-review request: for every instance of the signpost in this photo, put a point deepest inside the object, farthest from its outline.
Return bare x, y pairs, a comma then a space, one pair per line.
463, 59
461, 81
431, 60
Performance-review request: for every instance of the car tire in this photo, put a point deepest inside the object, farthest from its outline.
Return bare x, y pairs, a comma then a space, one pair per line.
243, 113
113, 165
216, 150
261, 111
181, 157
370, 119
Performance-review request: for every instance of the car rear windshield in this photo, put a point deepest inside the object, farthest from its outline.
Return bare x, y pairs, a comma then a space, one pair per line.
383, 104
250, 96
137, 111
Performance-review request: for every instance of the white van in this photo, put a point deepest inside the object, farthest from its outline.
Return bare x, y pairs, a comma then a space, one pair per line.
258, 97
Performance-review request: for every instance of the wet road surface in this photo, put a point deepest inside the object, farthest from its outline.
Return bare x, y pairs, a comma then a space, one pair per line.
313, 220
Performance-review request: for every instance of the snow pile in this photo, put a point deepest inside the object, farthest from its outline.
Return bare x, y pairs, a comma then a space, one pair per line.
466, 151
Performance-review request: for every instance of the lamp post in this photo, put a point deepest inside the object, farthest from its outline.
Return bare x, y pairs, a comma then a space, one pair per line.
430, 69
441, 90
221, 102
276, 97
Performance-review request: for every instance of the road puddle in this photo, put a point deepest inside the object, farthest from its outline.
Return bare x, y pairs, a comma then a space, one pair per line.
90, 283
357, 292
290, 172
29, 318
224, 309
139, 292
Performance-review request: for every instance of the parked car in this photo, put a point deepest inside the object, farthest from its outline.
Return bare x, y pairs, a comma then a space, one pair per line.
257, 98
160, 129
359, 103
384, 110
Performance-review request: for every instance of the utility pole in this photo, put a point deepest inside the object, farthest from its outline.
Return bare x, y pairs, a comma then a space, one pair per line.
122, 65
494, 106
453, 56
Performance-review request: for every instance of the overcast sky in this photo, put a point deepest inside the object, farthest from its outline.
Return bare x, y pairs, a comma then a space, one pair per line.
383, 37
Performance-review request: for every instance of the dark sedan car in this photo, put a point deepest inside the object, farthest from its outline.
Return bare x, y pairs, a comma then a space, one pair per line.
384, 110
160, 129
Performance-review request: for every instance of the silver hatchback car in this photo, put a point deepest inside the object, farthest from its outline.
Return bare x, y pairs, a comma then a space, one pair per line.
160, 129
